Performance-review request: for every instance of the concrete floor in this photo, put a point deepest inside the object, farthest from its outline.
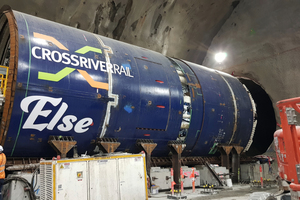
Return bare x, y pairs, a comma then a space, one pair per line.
238, 192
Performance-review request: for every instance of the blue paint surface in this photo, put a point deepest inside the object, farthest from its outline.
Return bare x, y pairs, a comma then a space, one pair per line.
126, 65
128, 108
158, 106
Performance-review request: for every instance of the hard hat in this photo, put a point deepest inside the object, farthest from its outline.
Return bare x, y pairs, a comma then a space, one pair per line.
1, 148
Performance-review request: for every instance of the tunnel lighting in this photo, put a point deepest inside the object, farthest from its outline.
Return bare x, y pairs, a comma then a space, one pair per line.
220, 57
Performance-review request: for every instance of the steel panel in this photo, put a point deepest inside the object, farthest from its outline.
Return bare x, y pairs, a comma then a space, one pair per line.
132, 174
197, 104
245, 112
64, 87
154, 96
104, 179
218, 127
71, 175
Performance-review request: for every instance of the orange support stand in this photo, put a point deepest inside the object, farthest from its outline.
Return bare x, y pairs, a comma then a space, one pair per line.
182, 177
172, 182
193, 178
261, 178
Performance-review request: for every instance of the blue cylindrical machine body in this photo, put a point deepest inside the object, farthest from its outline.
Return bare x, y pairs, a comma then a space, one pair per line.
75, 83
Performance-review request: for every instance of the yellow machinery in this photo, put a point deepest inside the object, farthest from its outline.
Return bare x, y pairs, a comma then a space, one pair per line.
3, 80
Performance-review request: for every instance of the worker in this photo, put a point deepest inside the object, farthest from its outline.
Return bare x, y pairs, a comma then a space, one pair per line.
2, 169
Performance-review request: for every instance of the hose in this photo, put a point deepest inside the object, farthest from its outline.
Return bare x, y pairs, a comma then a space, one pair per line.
34, 175
24, 181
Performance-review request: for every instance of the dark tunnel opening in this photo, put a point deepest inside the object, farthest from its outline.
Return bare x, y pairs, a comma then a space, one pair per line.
266, 121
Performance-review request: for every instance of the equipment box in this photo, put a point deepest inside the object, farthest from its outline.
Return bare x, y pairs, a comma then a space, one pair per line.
114, 177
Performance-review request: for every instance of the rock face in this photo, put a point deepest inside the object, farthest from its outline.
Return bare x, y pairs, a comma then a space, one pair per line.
262, 42
182, 29
261, 38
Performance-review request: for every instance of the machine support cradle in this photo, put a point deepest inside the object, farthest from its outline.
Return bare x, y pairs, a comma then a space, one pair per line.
176, 147
108, 145
62, 144
147, 146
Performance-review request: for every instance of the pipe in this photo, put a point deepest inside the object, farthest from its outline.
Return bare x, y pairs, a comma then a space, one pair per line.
23, 167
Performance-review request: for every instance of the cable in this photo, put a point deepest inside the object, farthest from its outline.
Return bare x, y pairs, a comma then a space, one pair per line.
24, 181
34, 175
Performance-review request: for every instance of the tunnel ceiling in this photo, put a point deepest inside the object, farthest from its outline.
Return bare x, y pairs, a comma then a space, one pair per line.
260, 37
182, 29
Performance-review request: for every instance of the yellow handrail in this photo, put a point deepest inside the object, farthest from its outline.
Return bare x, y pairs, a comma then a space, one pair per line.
3, 81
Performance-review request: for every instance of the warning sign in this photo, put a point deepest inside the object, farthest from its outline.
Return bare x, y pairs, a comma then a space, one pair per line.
138, 159
64, 166
79, 175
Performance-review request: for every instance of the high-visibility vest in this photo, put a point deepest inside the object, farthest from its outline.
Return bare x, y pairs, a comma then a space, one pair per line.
2, 166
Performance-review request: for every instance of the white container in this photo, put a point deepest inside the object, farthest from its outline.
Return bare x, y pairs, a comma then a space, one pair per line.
229, 182
95, 178
154, 189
